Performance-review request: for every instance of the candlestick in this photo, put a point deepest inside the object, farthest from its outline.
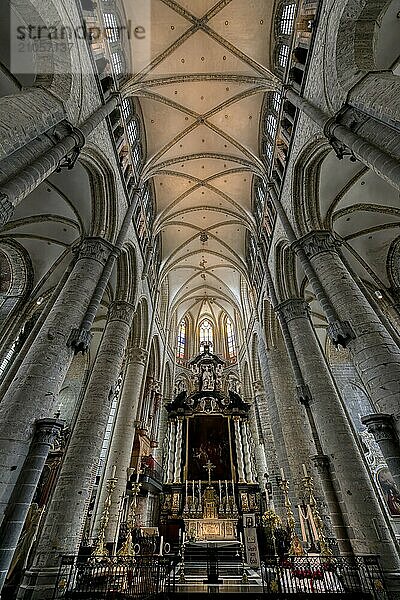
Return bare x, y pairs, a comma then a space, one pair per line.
113, 471
226, 488
193, 491
220, 492
186, 491
161, 545
304, 470
282, 474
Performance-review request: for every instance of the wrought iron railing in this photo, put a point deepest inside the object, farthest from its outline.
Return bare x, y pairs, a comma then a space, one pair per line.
358, 576
132, 578
144, 577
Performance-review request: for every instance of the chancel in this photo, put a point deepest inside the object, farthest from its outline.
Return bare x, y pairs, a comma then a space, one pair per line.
199, 299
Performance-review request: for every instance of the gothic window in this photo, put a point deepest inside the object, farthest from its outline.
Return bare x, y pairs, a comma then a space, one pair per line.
268, 151
271, 125
126, 108
287, 18
137, 157
230, 340
276, 101
283, 55
133, 131
116, 60
111, 25
181, 341
206, 333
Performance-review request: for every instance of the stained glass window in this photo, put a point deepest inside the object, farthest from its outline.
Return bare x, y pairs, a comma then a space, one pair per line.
181, 340
206, 333
230, 338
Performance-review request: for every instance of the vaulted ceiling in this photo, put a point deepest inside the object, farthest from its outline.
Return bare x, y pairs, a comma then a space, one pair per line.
201, 76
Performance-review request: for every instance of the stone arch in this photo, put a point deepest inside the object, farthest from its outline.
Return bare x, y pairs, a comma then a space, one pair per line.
247, 388
144, 322
127, 275
255, 360
16, 277
167, 387
305, 180
104, 206
285, 280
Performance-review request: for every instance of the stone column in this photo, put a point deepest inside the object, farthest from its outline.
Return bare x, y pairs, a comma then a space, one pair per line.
120, 452
343, 141
46, 431
248, 459
34, 391
64, 153
382, 428
239, 450
178, 450
171, 451
63, 526
367, 529
375, 354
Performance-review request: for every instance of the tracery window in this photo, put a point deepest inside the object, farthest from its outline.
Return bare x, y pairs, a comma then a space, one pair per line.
287, 18
271, 125
206, 333
133, 131
230, 340
126, 108
116, 60
283, 55
181, 341
111, 25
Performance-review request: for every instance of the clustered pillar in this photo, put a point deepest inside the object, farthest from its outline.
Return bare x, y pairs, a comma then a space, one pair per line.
63, 526
33, 393
366, 526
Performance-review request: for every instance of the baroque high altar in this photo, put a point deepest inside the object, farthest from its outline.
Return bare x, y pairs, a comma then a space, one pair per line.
210, 491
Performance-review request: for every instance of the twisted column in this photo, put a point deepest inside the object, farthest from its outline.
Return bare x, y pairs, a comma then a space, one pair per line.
239, 450
247, 452
178, 449
171, 451
63, 526
33, 393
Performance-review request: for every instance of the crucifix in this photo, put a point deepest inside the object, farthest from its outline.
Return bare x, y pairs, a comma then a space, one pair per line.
209, 468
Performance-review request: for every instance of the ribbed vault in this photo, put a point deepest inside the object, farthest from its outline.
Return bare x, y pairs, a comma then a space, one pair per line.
201, 90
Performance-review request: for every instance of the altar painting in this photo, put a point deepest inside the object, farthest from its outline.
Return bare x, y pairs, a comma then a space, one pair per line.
208, 441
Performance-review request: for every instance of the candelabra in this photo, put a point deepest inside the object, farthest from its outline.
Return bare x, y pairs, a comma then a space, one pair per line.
295, 544
126, 548
100, 551
319, 526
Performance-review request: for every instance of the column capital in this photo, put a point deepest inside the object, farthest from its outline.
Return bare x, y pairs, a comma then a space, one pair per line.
316, 242
47, 430
121, 311
381, 425
294, 308
94, 248
136, 355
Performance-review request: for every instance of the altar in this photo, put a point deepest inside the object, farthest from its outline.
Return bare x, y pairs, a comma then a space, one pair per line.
211, 529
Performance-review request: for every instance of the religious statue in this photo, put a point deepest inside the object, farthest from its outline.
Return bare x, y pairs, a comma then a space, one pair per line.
207, 383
